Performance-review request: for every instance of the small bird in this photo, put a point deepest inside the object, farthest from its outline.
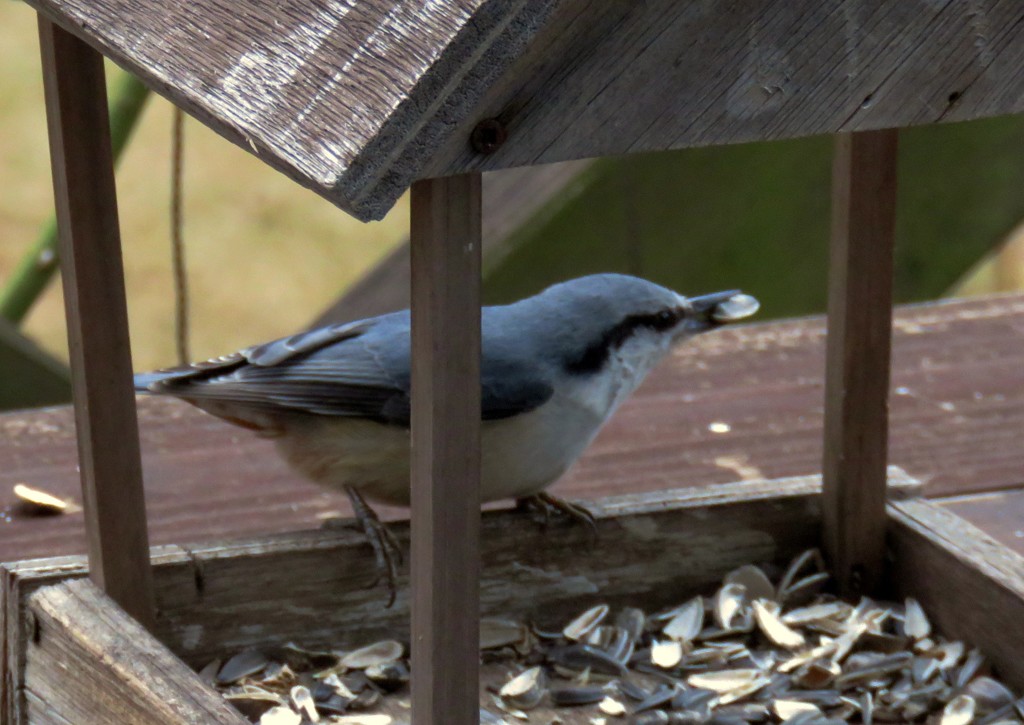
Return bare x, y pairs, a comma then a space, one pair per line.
554, 367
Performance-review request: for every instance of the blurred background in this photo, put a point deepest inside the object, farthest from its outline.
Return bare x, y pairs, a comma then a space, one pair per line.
266, 258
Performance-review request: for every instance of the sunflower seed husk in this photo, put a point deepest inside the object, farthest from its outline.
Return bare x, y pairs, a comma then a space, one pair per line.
302, 700
787, 709
580, 657
611, 706
661, 697
808, 560
578, 628
796, 656
737, 307
804, 589
280, 715
632, 620
958, 711
245, 663
816, 613
915, 622
652, 717
754, 581
35, 501
723, 680
378, 653
817, 674
495, 633
362, 720
774, 628
525, 690
632, 690
576, 696
687, 623
667, 654
988, 694
730, 609
388, 676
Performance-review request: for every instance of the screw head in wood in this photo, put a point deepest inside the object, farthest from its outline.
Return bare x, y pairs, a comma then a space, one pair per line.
488, 136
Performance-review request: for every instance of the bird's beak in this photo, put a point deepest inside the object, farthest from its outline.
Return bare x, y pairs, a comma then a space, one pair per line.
718, 308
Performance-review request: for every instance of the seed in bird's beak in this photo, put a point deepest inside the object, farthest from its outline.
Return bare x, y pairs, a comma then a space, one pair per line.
737, 307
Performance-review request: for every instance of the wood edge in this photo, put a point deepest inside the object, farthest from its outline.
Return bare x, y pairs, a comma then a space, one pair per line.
121, 650
327, 189
971, 585
50, 569
175, 565
402, 152
962, 539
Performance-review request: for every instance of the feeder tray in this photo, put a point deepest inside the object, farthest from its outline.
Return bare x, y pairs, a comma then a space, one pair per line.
73, 656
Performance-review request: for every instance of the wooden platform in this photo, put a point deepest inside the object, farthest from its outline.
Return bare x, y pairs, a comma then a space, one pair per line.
739, 404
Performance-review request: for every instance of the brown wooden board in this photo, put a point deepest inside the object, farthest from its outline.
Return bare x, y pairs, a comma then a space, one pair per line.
971, 586
357, 101
957, 410
857, 356
445, 461
88, 662
335, 94
999, 513
315, 588
609, 78
97, 319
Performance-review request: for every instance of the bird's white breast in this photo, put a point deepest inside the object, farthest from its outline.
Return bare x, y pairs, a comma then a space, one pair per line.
521, 455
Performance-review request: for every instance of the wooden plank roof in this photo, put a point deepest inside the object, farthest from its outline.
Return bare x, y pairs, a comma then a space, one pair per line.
957, 408
358, 98
327, 92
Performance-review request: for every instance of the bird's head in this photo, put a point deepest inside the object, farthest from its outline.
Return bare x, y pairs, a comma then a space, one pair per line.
630, 322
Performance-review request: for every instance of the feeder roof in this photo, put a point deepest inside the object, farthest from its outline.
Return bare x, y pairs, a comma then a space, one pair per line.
357, 99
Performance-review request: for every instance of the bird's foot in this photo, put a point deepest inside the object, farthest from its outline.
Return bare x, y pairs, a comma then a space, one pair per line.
546, 505
385, 546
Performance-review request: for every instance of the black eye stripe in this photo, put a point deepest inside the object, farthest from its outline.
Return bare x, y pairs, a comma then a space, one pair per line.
594, 357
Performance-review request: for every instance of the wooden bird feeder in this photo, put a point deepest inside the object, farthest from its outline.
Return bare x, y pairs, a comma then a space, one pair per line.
362, 100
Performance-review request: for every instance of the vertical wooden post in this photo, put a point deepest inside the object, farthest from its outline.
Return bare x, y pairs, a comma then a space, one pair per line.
97, 319
857, 357
445, 249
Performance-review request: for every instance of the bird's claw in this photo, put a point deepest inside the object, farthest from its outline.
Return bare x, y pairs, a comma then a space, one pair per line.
547, 504
385, 546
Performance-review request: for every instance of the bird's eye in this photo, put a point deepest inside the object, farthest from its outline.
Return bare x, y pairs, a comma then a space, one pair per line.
665, 319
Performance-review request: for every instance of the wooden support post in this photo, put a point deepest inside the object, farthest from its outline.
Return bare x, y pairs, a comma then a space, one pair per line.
97, 319
445, 249
857, 357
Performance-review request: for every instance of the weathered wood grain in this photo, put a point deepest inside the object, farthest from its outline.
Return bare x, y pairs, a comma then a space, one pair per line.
445, 246
610, 78
971, 586
97, 319
858, 350
1000, 514
332, 94
357, 101
89, 662
316, 588
957, 408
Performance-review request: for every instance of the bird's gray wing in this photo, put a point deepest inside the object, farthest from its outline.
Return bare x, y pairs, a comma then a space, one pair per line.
358, 369
328, 371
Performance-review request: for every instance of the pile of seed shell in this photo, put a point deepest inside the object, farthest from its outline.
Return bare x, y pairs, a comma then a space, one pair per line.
753, 652
292, 686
